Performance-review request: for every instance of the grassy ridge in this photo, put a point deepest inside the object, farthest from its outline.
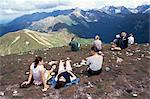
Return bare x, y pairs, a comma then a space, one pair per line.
27, 40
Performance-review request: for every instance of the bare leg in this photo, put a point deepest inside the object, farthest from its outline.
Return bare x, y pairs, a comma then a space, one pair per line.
61, 66
68, 65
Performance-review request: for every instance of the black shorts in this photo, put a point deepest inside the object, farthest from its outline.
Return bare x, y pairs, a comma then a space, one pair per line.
91, 72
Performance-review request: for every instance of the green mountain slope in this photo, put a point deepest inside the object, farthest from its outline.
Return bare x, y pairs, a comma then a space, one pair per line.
27, 40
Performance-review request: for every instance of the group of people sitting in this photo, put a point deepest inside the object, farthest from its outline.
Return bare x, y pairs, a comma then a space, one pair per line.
64, 73
122, 41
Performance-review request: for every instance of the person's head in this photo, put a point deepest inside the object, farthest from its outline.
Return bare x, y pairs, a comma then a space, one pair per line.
38, 60
117, 36
61, 82
94, 50
97, 37
130, 34
123, 34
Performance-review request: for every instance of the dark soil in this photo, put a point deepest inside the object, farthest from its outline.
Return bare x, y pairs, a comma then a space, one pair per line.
131, 76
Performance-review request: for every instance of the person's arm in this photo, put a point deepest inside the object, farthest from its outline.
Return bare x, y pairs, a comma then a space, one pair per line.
29, 78
44, 80
72, 75
87, 61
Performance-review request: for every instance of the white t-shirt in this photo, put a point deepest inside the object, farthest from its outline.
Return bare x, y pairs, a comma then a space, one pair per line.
98, 44
37, 73
95, 62
131, 40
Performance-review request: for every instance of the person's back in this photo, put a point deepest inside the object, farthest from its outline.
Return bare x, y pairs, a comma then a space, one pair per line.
74, 45
98, 44
95, 62
37, 73
131, 39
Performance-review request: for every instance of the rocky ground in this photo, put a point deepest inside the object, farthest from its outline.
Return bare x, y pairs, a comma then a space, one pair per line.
125, 75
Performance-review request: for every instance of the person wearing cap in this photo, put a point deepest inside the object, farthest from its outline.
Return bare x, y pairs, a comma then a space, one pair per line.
75, 46
114, 44
94, 62
116, 39
97, 43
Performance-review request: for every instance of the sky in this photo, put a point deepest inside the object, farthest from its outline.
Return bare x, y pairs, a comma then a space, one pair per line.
10, 9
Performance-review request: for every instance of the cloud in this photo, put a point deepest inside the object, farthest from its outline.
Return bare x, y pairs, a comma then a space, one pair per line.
10, 8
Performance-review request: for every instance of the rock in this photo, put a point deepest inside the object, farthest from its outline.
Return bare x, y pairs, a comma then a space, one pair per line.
36, 55
77, 65
90, 85
138, 51
83, 62
116, 66
114, 53
15, 93
119, 60
119, 53
142, 55
147, 57
19, 59
107, 69
88, 96
68, 58
2, 55
27, 73
2, 93
134, 95
45, 53
136, 43
27, 43
138, 58
130, 54
109, 61
31, 53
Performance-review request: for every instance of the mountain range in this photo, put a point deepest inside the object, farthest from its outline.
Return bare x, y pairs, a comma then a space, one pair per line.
106, 22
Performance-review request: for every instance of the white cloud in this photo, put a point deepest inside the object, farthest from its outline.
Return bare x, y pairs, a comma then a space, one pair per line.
20, 7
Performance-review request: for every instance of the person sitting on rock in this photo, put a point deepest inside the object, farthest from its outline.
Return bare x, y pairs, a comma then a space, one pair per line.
39, 74
75, 46
97, 43
64, 76
94, 62
131, 39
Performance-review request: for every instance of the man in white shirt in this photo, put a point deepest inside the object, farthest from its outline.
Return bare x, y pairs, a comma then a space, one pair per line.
95, 62
131, 39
